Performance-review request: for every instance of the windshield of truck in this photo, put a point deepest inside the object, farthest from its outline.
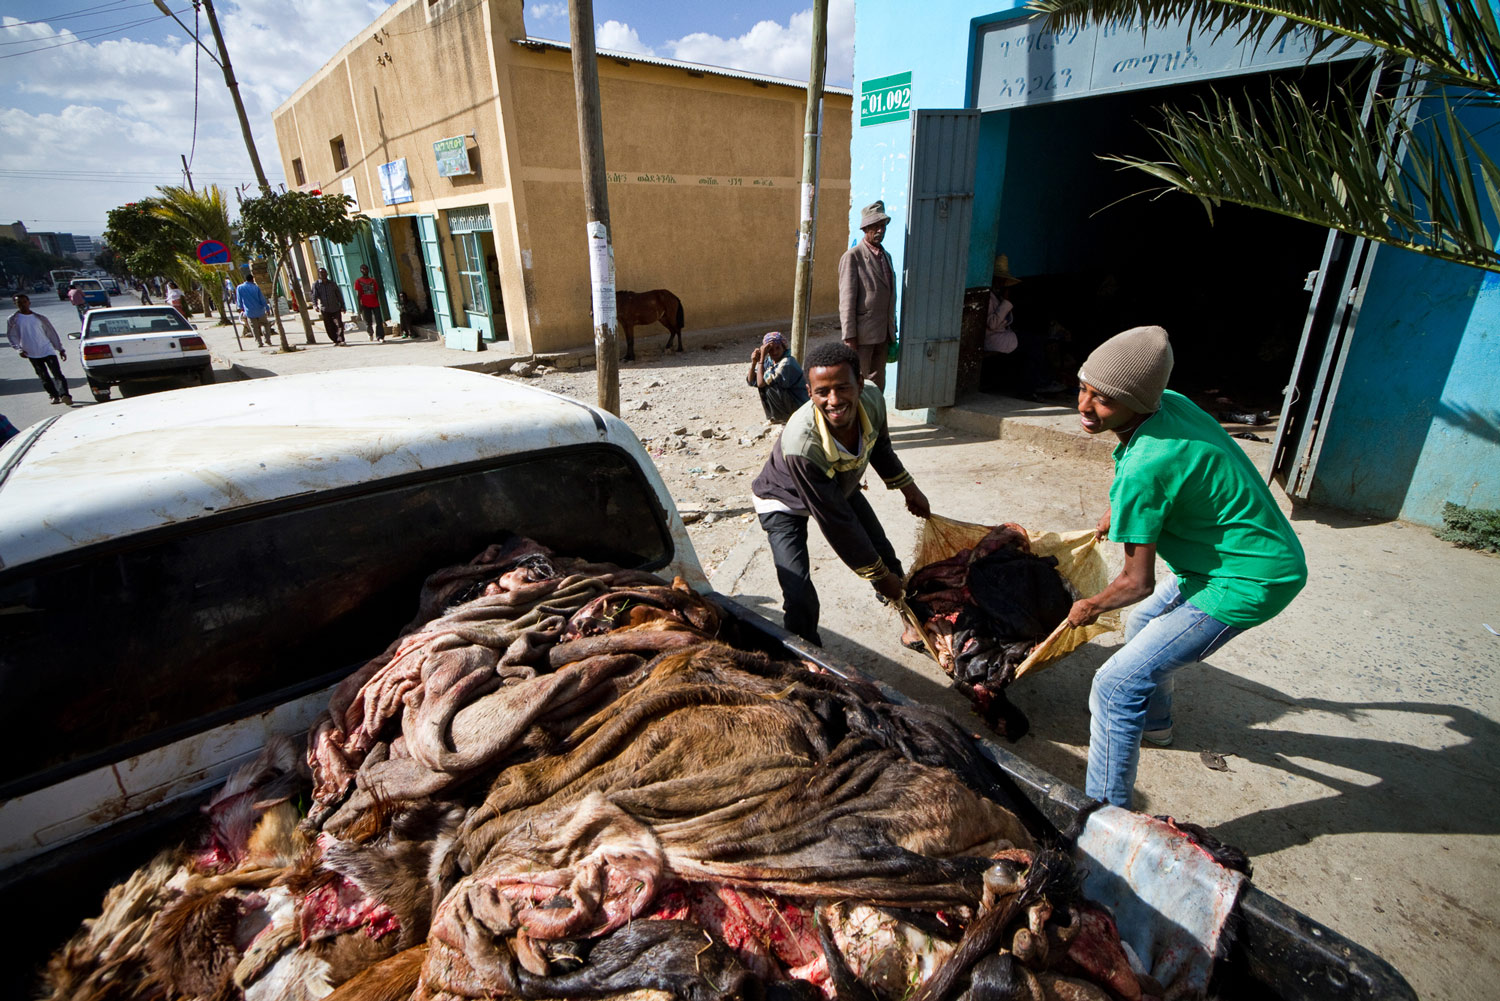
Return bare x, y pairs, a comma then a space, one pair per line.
134, 321
138, 642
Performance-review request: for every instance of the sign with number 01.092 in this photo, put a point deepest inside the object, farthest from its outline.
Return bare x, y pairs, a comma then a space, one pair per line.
885, 99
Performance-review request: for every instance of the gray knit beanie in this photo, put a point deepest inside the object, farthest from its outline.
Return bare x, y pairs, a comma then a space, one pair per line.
1131, 367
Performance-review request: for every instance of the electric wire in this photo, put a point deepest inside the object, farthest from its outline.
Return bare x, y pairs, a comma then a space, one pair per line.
196, 49
76, 39
124, 174
85, 12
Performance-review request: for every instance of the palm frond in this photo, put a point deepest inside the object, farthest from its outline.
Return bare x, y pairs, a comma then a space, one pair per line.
1327, 166
1457, 42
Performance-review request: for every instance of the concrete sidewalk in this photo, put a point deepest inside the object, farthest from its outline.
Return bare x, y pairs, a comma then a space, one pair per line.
238, 357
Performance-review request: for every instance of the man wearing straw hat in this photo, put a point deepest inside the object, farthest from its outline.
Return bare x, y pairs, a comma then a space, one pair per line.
867, 295
1184, 490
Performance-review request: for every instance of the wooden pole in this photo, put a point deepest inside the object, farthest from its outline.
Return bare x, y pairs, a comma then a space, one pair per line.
260, 174
596, 204
812, 134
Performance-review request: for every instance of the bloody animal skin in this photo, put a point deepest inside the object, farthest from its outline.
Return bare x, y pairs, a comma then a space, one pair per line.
649, 819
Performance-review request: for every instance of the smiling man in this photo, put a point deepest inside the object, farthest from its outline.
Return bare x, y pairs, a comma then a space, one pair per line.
1186, 491
814, 471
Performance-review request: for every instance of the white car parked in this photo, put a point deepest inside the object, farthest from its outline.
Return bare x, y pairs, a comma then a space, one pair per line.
141, 347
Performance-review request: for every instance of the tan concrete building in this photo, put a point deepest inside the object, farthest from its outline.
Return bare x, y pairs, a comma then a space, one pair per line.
704, 172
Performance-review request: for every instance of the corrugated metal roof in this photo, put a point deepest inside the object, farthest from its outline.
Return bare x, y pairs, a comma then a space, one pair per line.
635, 57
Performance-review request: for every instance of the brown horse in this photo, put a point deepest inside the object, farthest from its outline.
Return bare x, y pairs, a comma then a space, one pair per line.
657, 306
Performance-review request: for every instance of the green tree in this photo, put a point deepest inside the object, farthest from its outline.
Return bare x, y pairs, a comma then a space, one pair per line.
147, 243
195, 216
25, 263
1411, 174
276, 222
108, 260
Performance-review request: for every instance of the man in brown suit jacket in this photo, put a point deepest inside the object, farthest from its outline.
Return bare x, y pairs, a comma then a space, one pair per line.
867, 295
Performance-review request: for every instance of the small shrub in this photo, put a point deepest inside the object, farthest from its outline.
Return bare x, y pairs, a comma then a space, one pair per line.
1471, 528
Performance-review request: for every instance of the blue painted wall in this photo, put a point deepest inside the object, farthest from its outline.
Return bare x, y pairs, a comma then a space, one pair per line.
1416, 418
934, 43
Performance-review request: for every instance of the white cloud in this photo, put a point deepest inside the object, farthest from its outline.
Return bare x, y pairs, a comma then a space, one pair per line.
620, 37
769, 47
124, 105
548, 12
777, 49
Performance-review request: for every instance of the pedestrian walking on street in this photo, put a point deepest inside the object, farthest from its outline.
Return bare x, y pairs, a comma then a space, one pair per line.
867, 295
1185, 490
367, 289
32, 334
145, 292
814, 471
176, 299
79, 300
252, 303
329, 300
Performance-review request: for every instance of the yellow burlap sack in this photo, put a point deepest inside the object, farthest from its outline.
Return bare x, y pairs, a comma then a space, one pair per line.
1078, 560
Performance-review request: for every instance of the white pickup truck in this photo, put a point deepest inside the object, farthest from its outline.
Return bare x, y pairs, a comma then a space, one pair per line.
186, 574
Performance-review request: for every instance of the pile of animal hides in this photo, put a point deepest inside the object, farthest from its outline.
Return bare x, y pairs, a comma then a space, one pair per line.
985, 609
563, 782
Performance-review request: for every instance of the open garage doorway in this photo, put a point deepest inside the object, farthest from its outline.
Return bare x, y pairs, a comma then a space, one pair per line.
1093, 260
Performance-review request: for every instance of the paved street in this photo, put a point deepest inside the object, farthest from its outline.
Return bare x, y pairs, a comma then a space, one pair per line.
22, 397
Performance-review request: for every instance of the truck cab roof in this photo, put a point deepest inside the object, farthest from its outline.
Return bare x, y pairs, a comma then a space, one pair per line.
119, 469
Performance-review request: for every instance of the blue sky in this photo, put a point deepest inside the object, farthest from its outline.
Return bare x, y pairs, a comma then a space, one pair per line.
99, 95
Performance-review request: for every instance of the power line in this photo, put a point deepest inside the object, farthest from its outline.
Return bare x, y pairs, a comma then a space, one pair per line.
79, 38
194, 148
84, 174
85, 12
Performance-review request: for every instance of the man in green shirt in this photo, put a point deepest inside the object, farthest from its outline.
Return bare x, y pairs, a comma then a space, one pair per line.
1185, 490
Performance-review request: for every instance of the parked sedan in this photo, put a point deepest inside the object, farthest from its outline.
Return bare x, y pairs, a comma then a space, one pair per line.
111, 285
141, 347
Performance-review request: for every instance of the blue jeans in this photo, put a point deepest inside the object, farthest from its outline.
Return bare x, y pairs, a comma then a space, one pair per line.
1133, 690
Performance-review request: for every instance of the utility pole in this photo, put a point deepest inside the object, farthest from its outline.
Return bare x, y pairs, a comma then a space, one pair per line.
186, 172
260, 174
596, 203
812, 148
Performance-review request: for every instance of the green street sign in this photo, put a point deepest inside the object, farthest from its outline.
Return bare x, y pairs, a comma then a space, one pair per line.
886, 99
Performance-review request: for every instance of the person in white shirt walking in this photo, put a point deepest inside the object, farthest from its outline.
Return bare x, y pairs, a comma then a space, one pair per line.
33, 335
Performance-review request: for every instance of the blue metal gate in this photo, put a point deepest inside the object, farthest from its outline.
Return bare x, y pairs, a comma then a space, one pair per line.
935, 262
437, 281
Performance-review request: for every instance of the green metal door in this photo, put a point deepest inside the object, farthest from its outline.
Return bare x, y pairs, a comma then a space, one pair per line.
437, 282
474, 283
380, 234
338, 269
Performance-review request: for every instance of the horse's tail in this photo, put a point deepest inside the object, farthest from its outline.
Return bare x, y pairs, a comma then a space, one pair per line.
679, 312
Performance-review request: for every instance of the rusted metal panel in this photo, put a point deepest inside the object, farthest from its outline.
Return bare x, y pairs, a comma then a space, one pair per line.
940, 206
